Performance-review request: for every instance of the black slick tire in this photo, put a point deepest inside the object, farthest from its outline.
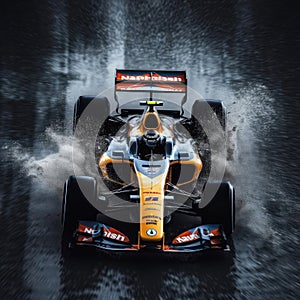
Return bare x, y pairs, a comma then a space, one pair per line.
75, 205
221, 209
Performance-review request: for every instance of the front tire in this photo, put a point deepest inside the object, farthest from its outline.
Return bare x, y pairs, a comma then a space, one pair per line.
78, 190
221, 209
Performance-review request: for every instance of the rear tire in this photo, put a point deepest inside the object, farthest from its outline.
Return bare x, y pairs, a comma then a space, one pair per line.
89, 117
204, 114
75, 205
221, 209
98, 111
202, 111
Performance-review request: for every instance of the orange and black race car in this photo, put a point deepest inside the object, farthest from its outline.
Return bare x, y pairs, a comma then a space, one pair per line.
152, 190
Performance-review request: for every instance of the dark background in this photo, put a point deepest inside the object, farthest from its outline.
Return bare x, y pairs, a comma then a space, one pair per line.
243, 52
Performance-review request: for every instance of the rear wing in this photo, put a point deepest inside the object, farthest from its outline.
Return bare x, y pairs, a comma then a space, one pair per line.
150, 81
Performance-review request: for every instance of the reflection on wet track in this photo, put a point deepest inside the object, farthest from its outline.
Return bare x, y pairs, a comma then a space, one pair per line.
232, 50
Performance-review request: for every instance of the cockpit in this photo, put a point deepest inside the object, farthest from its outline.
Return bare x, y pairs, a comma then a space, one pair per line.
150, 146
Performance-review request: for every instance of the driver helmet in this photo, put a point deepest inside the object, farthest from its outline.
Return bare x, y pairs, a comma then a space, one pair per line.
151, 138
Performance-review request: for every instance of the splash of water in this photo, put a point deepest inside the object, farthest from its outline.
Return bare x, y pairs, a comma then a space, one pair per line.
250, 115
51, 170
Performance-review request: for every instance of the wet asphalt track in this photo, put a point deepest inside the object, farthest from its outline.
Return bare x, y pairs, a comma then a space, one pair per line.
246, 53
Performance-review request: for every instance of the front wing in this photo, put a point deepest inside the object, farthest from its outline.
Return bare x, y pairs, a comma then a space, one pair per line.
101, 236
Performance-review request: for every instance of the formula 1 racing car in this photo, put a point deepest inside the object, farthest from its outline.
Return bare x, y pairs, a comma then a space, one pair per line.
150, 192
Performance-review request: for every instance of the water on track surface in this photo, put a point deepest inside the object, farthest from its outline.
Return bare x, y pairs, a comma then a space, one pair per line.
242, 53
